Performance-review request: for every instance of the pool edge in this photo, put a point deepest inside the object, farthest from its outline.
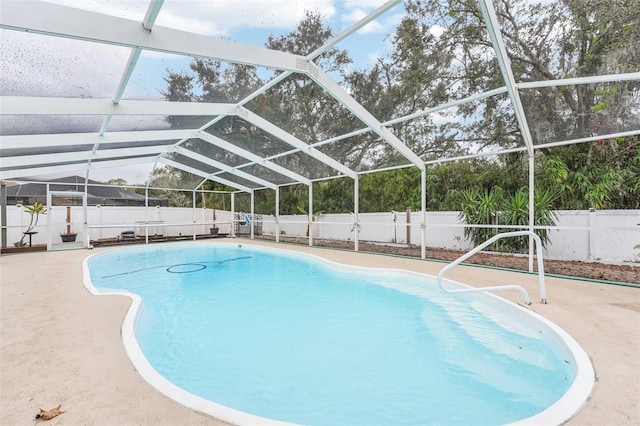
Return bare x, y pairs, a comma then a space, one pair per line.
155, 379
576, 396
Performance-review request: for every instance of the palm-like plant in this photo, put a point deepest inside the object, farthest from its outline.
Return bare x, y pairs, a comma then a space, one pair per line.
313, 217
516, 212
480, 208
493, 207
34, 210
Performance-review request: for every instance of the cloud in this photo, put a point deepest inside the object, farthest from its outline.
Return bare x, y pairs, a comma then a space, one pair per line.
220, 18
356, 15
364, 4
224, 17
386, 25
193, 24
436, 30
373, 57
357, 10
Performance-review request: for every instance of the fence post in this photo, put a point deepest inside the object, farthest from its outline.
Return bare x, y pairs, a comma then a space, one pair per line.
408, 225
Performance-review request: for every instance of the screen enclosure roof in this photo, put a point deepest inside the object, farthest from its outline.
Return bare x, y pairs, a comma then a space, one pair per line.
83, 91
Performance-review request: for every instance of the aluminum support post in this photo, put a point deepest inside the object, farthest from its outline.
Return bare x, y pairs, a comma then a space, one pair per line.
356, 207
277, 215
310, 216
252, 221
532, 209
423, 215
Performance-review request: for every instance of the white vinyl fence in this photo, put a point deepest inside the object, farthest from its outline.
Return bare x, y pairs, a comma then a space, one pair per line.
603, 235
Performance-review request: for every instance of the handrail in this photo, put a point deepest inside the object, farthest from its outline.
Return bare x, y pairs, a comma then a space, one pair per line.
148, 224
543, 293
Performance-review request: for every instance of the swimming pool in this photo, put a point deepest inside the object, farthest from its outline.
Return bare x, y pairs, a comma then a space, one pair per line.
249, 334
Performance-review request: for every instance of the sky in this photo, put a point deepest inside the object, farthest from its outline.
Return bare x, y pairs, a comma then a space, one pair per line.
246, 21
35, 65
252, 21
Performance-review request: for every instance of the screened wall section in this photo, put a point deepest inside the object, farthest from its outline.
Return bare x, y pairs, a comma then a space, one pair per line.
420, 125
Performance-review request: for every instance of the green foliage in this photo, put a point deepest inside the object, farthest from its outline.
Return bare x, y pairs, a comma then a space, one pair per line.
516, 212
122, 183
480, 208
495, 207
216, 200
334, 196
392, 190
441, 52
545, 40
601, 174
34, 210
168, 177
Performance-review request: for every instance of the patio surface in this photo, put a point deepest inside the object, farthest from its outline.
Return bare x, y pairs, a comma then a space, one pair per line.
61, 345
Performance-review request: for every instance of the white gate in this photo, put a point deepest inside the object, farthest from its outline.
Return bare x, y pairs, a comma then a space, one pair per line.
66, 232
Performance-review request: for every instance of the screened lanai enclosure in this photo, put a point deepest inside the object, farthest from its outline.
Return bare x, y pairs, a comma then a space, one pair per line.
389, 122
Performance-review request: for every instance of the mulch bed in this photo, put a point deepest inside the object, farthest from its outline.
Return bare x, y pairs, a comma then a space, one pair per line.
23, 249
626, 273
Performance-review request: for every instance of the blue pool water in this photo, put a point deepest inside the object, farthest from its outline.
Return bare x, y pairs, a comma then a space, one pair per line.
284, 337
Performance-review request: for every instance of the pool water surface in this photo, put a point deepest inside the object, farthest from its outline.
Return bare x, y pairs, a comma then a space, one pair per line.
287, 337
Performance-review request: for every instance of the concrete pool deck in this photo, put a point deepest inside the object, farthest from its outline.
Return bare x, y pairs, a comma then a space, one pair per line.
61, 345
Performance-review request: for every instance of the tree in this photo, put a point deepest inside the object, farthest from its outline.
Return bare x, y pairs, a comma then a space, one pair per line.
496, 207
334, 196
34, 210
210, 81
601, 174
390, 190
218, 198
119, 182
303, 108
441, 53
167, 178
179, 89
544, 41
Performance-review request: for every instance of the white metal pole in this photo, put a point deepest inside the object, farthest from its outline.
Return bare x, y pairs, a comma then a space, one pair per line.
193, 213
50, 210
310, 215
3, 213
253, 199
233, 214
356, 207
493, 28
99, 208
423, 215
277, 214
146, 187
532, 210
87, 237
146, 214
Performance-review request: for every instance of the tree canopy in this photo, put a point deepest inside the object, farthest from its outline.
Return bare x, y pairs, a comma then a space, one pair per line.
440, 53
